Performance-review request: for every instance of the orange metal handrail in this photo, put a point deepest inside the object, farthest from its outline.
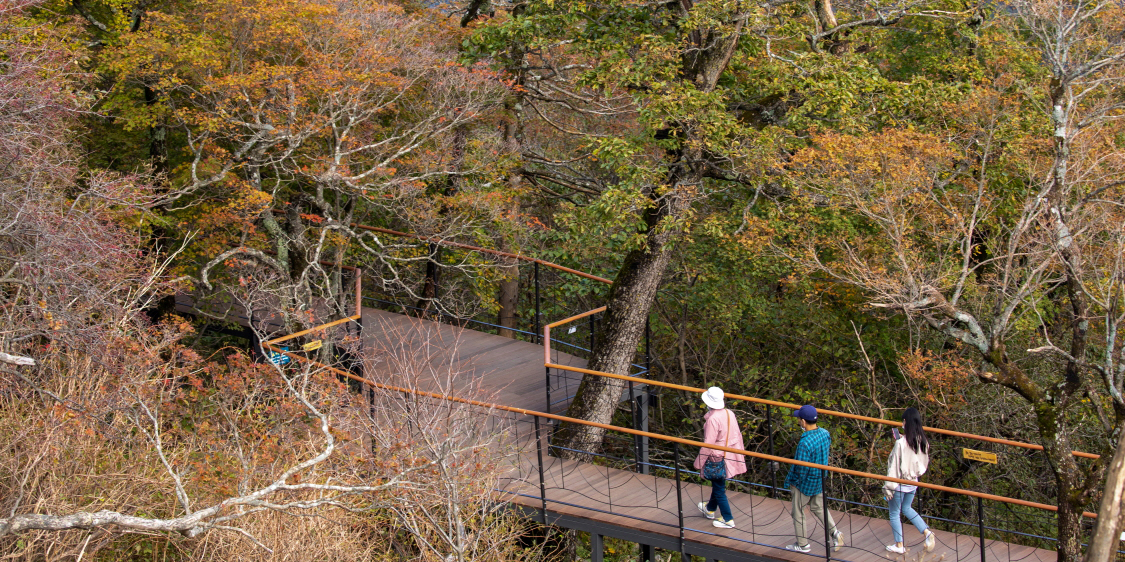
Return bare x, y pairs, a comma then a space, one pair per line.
547, 332
343, 320
671, 439
938, 430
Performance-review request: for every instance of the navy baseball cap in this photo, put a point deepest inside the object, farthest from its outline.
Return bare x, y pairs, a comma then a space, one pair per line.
806, 412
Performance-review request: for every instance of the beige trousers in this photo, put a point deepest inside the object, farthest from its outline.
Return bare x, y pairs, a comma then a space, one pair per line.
816, 506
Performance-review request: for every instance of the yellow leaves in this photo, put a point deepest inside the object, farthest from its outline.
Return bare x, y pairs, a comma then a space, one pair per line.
892, 160
891, 178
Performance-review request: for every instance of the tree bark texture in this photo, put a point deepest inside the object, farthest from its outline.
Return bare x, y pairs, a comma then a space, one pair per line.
1111, 515
508, 299
615, 346
433, 278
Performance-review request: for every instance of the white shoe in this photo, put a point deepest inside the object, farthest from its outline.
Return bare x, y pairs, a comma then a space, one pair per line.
703, 507
837, 540
798, 548
931, 541
723, 524
896, 549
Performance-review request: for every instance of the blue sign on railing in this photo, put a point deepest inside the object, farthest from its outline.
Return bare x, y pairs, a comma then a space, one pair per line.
278, 358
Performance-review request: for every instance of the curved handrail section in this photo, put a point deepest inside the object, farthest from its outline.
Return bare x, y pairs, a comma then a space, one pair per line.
547, 332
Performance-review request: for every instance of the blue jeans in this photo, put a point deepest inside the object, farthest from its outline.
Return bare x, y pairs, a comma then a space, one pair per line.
900, 505
719, 499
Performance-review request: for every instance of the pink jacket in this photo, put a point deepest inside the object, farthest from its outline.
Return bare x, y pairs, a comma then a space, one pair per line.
717, 425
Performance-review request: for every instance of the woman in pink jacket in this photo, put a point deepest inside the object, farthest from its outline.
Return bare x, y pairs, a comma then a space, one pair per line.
720, 428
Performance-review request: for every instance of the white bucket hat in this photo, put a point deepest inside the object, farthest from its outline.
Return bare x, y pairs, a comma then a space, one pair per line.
713, 397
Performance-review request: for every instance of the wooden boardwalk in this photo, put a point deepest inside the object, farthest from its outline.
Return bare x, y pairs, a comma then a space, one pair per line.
613, 498
458, 361
614, 502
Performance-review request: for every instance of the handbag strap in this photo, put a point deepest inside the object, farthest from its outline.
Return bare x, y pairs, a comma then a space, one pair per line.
726, 440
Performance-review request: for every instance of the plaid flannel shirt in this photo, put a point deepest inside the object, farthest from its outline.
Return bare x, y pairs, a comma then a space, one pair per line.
813, 447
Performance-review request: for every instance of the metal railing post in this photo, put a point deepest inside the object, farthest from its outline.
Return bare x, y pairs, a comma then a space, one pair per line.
596, 548
641, 406
542, 480
824, 505
773, 464
648, 354
980, 526
636, 438
679, 500
538, 334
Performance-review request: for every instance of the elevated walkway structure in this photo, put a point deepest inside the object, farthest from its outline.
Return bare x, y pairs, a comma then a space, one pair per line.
642, 487
609, 497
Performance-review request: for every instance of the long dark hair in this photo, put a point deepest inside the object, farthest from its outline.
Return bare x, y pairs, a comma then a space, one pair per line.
915, 435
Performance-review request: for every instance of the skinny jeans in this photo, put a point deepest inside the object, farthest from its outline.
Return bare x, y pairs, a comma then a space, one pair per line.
900, 505
719, 499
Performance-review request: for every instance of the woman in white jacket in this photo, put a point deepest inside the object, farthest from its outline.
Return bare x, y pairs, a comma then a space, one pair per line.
908, 461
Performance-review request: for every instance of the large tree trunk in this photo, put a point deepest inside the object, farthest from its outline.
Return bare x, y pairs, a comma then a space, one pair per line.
1070, 497
634, 290
1070, 527
508, 296
630, 299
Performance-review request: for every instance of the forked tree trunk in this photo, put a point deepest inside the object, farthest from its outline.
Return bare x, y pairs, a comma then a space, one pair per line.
708, 54
630, 299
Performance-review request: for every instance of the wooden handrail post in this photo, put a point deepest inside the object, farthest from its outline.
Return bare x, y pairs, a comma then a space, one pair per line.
358, 292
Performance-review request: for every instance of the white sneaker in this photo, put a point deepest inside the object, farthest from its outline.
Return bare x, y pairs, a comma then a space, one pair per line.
798, 548
896, 549
703, 507
931, 541
723, 524
837, 540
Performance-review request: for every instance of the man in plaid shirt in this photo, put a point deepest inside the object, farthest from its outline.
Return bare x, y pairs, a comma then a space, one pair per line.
806, 483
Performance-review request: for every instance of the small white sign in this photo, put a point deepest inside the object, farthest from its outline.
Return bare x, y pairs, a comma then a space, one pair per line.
572, 329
